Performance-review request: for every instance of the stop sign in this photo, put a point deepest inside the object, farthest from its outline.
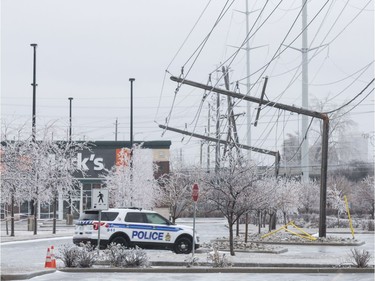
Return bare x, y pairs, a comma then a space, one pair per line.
195, 192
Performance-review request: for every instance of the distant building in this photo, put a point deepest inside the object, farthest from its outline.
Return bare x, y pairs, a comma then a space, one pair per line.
102, 156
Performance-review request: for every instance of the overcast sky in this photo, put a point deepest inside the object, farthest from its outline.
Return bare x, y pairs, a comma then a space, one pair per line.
88, 50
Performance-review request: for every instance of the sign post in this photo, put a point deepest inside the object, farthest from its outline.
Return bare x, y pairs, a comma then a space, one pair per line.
100, 202
195, 194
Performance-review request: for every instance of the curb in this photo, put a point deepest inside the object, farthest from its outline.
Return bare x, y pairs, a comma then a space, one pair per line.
179, 267
224, 270
25, 276
359, 243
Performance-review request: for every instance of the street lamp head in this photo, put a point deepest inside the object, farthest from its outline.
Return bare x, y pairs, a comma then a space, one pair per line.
33, 44
70, 98
131, 79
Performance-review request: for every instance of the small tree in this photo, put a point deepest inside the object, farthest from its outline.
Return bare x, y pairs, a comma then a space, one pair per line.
175, 190
364, 193
133, 185
232, 191
36, 170
335, 198
309, 196
288, 197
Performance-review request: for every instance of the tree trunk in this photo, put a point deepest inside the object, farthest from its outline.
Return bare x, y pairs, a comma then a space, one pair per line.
246, 227
264, 218
231, 244
238, 227
272, 222
259, 222
6, 219
35, 217
54, 214
12, 216
338, 218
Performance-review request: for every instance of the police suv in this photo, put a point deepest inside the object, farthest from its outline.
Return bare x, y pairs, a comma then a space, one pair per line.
134, 227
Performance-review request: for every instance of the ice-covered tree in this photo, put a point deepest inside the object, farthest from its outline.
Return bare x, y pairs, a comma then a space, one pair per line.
35, 170
133, 185
175, 191
15, 169
288, 197
335, 199
232, 191
309, 196
364, 195
267, 189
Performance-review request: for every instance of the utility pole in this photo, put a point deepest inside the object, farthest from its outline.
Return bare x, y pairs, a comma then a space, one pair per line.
303, 111
248, 105
217, 150
231, 119
220, 141
305, 98
208, 134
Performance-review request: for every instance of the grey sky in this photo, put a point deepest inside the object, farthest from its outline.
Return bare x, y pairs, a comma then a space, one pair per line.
88, 50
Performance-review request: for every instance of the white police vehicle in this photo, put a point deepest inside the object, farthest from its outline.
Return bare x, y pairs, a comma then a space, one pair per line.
134, 227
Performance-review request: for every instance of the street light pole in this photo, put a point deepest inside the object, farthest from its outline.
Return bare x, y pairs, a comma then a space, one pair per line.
34, 203
131, 138
70, 119
34, 93
131, 113
70, 215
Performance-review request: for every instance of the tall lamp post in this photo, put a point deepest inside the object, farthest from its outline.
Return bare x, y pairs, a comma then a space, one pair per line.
131, 114
69, 215
34, 93
131, 136
70, 119
34, 202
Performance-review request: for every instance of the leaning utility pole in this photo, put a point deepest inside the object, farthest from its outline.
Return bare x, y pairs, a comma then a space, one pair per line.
220, 141
303, 111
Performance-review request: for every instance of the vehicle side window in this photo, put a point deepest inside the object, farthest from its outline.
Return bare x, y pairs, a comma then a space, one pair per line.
135, 217
156, 219
109, 216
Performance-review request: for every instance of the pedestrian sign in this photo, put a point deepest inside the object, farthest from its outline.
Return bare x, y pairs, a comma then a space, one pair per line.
99, 198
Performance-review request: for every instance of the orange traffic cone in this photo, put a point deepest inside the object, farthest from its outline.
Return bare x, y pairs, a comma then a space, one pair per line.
53, 259
48, 263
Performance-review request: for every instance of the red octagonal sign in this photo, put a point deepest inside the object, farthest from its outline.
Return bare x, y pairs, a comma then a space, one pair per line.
195, 192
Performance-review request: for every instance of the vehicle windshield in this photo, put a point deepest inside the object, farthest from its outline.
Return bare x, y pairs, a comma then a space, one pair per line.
157, 219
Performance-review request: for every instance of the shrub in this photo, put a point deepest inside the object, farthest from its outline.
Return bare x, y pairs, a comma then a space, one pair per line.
119, 256
217, 259
135, 258
86, 256
191, 261
68, 254
360, 259
74, 256
115, 254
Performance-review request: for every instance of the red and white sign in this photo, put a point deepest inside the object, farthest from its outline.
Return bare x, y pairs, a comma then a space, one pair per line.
195, 192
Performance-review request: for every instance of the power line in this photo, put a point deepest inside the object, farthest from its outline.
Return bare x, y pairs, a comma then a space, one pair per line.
337, 109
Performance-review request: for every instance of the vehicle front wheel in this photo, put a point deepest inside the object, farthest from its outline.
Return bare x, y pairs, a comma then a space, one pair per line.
183, 246
120, 240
